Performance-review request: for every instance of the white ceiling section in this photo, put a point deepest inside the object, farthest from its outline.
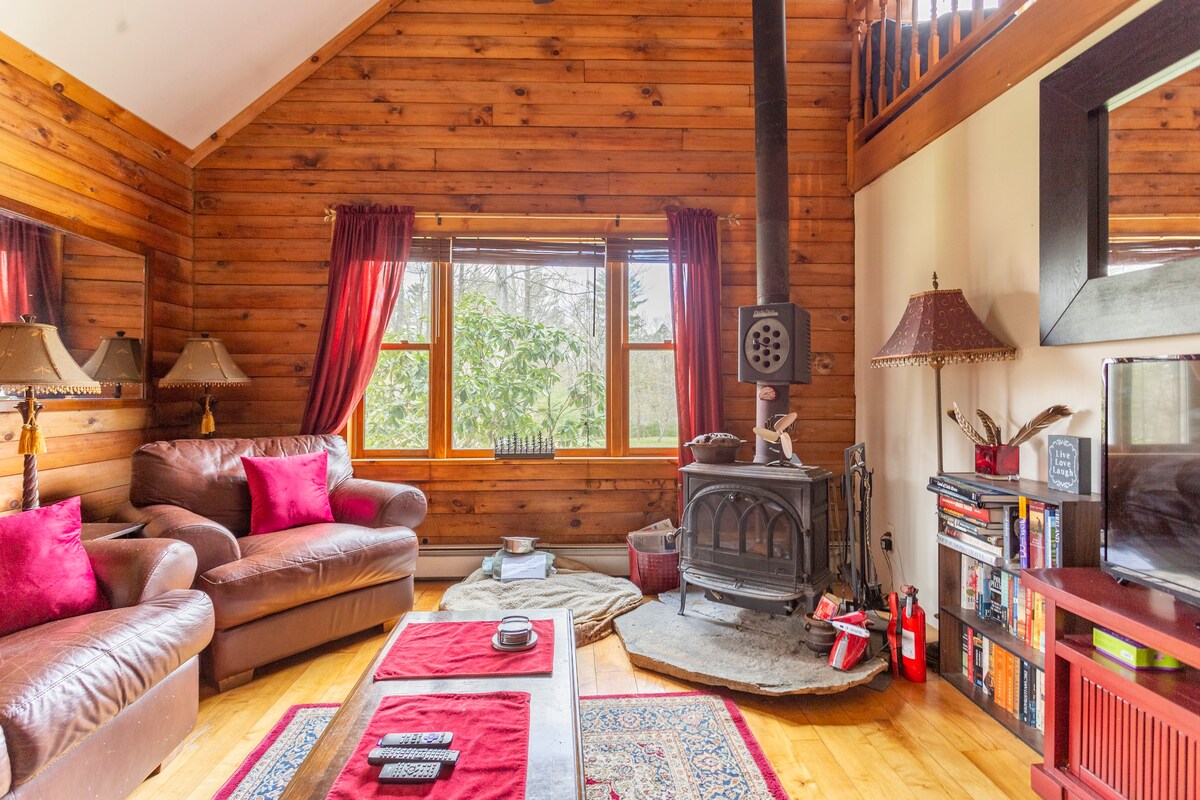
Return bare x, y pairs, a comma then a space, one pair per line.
185, 66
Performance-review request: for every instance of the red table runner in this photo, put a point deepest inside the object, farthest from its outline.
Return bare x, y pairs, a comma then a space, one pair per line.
463, 650
491, 732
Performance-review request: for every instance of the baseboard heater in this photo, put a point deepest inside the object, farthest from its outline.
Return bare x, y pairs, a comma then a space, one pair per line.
441, 562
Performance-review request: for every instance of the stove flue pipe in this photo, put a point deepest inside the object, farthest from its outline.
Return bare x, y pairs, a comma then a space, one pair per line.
771, 182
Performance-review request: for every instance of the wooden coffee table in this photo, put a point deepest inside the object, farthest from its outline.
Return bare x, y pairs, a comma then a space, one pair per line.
555, 770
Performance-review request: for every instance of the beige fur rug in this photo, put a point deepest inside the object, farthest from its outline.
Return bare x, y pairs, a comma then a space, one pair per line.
594, 599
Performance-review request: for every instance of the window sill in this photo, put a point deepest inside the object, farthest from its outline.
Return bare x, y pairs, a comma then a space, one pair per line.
548, 463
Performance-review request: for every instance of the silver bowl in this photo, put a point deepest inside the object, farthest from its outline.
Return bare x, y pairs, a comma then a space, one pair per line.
518, 545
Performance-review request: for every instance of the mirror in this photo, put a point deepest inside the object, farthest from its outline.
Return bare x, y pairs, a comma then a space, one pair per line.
1120, 222
88, 289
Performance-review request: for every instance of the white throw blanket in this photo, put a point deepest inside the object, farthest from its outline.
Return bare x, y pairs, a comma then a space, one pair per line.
595, 599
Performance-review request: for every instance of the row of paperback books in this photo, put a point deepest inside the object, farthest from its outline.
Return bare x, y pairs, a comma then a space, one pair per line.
1011, 683
996, 595
997, 529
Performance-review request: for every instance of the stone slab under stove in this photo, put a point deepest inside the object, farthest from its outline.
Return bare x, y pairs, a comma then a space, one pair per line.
722, 645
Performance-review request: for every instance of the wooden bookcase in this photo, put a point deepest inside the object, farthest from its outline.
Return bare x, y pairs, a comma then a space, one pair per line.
1080, 519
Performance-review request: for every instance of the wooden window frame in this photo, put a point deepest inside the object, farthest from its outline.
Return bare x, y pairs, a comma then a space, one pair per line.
441, 389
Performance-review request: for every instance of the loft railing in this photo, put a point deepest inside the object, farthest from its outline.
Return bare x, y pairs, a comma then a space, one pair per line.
898, 54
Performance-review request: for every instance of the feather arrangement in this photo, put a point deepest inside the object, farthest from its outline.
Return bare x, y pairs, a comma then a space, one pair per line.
991, 435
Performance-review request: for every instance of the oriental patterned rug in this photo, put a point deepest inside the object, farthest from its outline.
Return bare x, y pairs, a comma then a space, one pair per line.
688, 746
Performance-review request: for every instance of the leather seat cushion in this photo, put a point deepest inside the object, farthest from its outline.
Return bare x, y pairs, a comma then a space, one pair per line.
285, 569
63, 680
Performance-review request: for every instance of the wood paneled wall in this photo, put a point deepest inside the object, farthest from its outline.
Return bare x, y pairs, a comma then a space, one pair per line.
70, 159
586, 107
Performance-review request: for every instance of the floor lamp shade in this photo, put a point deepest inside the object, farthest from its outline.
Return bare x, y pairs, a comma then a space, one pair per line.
32, 359
116, 361
939, 327
204, 362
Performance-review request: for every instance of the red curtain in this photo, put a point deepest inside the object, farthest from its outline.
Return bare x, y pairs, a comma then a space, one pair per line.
30, 278
366, 265
696, 308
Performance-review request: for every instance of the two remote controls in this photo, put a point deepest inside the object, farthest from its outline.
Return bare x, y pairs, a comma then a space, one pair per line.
412, 757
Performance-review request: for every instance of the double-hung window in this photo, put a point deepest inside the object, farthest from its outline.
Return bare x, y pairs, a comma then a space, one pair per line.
568, 338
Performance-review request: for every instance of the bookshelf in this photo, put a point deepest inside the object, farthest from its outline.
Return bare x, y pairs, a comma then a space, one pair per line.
1079, 519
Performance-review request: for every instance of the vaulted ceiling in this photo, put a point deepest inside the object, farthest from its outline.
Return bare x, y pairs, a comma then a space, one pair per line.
185, 66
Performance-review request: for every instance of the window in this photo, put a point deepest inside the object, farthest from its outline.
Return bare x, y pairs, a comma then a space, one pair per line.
569, 338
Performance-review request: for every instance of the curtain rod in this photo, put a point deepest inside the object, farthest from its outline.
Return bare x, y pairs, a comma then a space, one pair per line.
732, 219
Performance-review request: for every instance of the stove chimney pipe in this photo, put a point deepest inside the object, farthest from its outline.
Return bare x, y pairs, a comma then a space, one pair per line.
771, 182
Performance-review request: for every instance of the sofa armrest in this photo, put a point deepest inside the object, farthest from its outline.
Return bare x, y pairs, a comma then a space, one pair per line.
214, 543
375, 504
132, 571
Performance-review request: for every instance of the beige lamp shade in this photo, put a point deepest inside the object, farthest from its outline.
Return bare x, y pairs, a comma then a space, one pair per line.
204, 362
117, 360
939, 327
32, 356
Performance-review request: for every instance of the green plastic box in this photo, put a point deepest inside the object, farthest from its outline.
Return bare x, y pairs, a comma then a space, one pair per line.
1130, 653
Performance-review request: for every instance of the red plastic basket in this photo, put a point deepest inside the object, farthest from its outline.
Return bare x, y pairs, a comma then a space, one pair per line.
652, 567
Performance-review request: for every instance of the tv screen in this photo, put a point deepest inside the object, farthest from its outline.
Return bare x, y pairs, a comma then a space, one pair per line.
1151, 472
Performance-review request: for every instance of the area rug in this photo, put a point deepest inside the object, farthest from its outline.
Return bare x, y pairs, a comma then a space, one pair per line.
594, 599
688, 746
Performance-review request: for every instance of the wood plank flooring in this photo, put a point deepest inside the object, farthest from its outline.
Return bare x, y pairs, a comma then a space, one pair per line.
911, 741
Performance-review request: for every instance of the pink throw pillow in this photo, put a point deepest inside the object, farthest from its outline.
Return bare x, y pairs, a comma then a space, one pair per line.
289, 491
45, 574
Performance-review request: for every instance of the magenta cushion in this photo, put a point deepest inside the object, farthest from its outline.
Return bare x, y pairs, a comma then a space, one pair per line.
286, 492
45, 574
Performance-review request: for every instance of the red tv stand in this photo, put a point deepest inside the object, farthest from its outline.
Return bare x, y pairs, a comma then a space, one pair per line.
1114, 732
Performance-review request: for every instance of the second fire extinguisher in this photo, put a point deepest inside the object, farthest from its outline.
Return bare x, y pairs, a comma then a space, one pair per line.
906, 632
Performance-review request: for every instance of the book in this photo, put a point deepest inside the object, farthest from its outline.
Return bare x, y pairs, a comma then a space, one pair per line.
986, 515
1023, 531
990, 545
966, 548
1053, 537
944, 484
1012, 534
1037, 534
974, 529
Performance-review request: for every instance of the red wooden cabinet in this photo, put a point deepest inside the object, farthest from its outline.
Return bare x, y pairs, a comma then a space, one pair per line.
1114, 732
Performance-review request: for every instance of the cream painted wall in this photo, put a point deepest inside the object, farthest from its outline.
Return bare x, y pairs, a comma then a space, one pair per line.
967, 206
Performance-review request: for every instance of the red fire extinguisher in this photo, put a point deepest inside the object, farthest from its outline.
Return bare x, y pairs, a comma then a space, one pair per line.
906, 633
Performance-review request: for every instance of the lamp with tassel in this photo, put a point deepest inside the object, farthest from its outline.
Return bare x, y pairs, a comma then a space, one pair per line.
205, 362
32, 358
117, 360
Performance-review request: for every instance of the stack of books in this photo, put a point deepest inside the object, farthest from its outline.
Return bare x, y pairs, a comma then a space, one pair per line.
1000, 530
1011, 683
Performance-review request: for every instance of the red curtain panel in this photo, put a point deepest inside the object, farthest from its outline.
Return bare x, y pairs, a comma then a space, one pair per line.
30, 277
366, 265
696, 308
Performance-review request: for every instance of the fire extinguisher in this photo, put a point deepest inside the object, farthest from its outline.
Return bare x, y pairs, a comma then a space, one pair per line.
906, 634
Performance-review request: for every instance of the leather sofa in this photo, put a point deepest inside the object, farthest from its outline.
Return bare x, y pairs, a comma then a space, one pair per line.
91, 705
277, 594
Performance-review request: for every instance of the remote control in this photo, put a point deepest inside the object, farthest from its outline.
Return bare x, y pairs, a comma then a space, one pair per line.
416, 740
409, 772
390, 755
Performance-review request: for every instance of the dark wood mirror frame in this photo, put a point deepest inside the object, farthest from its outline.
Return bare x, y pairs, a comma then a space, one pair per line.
1079, 303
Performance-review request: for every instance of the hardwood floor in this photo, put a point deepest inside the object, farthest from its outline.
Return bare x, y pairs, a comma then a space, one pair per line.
911, 741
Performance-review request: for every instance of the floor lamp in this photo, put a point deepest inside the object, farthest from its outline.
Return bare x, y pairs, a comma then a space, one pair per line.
205, 362
32, 359
939, 328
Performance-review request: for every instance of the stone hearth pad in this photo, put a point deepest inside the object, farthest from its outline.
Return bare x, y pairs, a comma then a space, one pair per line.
722, 645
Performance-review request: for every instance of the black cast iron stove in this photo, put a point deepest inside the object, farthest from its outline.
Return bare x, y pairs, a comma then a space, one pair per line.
756, 536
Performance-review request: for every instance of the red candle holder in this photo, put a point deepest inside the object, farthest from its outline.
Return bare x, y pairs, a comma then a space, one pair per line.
998, 461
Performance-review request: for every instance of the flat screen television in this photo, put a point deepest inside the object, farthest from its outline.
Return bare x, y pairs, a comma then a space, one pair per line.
1150, 473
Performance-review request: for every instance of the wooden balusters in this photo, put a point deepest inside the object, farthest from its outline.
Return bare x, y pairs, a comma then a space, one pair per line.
934, 44
955, 26
869, 97
914, 57
899, 38
976, 14
883, 48
856, 94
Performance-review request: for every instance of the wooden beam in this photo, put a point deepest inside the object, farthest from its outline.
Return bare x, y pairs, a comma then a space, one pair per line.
290, 81
1043, 32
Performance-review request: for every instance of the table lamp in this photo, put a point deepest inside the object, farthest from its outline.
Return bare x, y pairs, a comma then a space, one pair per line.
117, 360
939, 328
33, 358
205, 362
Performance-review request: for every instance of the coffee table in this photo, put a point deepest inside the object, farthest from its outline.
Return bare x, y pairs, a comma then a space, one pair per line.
555, 770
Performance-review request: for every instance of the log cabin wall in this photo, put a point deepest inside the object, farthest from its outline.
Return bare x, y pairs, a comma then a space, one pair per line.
70, 158
591, 106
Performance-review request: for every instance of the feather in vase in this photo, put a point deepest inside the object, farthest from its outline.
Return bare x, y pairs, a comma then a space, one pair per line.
1043, 420
990, 426
965, 424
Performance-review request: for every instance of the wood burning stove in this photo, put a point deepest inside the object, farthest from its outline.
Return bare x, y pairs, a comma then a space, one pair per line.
756, 536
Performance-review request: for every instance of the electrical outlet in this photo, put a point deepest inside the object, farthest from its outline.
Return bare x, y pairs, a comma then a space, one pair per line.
885, 541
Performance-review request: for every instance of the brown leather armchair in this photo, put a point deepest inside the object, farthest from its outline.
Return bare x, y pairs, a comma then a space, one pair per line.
277, 594
91, 705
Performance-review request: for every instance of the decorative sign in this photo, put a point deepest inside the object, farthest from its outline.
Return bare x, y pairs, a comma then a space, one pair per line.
1069, 467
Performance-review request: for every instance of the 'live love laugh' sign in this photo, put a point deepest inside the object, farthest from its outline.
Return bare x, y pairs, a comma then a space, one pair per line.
1070, 464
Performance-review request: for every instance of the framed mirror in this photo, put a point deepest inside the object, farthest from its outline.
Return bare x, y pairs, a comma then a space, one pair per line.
1120, 184
93, 292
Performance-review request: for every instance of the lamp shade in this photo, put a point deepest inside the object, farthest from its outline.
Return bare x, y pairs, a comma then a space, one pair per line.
204, 362
32, 355
117, 360
939, 327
